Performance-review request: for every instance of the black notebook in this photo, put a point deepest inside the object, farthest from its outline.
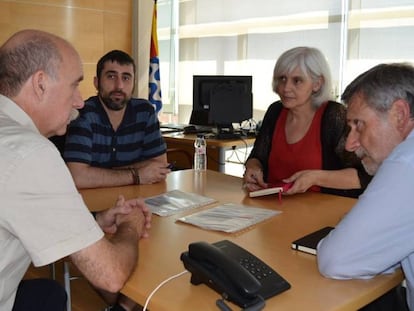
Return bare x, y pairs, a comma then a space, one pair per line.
309, 242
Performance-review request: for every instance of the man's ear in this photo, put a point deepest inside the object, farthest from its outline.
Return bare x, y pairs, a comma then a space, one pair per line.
400, 112
39, 83
95, 83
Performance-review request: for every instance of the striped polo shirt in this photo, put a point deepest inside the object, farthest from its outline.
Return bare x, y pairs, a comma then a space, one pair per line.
91, 139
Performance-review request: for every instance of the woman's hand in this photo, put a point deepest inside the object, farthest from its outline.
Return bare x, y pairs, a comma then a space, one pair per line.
253, 177
302, 181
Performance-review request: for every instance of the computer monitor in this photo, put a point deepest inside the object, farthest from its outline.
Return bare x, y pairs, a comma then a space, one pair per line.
220, 100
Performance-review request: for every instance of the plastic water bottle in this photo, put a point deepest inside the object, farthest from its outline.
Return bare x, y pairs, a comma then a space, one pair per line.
200, 155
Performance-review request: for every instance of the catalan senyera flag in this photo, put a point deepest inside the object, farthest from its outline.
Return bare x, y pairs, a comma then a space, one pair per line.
154, 82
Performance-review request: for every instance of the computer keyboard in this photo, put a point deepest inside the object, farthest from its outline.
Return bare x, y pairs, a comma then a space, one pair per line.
197, 129
186, 128
229, 135
173, 126
165, 130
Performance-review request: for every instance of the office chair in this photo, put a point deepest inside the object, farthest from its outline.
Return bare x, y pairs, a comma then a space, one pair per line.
59, 142
66, 280
181, 158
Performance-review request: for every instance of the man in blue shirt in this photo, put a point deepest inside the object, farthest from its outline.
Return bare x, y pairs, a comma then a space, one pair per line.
116, 139
377, 235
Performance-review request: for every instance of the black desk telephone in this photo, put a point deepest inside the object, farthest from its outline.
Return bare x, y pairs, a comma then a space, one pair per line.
233, 272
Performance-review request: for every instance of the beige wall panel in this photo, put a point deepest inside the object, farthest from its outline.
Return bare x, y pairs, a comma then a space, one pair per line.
86, 87
6, 26
86, 4
93, 27
87, 34
116, 6
117, 32
123, 6
83, 28
59, 20
92, 31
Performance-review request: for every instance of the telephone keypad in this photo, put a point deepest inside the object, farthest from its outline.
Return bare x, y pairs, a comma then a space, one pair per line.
272, 282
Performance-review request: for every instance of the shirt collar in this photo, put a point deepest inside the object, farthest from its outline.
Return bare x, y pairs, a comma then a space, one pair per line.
14, 112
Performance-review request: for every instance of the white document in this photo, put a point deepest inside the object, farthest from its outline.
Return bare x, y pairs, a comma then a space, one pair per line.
229, 217
175, 201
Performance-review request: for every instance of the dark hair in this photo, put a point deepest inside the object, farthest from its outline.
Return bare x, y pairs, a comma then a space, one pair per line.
118, 56
382, 85
20, 61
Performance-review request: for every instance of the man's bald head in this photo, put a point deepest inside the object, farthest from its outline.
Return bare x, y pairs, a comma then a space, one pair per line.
40, 72
26, 52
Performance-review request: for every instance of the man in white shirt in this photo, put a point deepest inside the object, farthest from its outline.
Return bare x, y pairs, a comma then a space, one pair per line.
377, 235
43, 217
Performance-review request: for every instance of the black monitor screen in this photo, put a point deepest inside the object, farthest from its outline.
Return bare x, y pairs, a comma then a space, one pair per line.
221, 100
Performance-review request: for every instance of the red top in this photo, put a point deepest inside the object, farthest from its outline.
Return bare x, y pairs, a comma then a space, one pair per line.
286, 159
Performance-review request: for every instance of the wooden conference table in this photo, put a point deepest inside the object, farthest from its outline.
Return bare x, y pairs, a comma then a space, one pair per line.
159, 255
216, 148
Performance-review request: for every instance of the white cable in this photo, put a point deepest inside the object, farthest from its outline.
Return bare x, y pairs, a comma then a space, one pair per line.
161, 284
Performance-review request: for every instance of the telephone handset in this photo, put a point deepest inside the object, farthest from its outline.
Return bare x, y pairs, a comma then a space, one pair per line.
233, 272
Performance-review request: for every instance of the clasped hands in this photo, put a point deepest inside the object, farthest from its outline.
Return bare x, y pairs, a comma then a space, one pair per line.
133, 210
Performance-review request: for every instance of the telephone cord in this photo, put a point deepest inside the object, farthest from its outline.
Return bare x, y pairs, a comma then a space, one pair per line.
220, 302
159, 286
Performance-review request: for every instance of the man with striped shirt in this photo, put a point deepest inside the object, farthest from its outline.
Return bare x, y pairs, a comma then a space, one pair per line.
116, 140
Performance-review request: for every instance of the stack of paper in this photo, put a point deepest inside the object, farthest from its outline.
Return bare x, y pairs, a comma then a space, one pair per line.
176, 201
229, 217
